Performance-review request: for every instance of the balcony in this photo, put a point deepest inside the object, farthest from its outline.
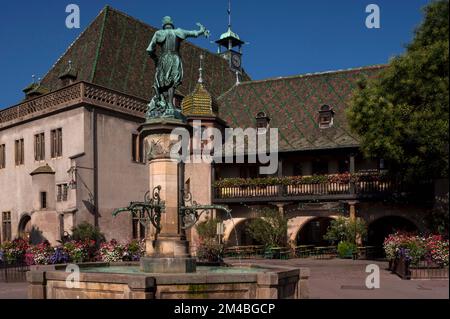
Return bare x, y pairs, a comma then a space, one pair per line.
80, 93
307, 188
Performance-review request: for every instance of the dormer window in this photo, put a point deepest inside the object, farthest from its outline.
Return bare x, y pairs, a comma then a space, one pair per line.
326, 117
69, 75
35, 89
262, 122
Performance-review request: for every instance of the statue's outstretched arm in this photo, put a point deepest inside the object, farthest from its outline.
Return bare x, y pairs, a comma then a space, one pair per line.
196, 33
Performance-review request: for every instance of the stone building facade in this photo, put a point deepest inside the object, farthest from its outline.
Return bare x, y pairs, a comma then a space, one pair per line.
71, 151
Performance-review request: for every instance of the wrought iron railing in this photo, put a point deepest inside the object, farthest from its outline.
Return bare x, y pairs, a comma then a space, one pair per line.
13, 272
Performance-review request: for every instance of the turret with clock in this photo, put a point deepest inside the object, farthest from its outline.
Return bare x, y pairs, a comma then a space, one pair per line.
230, 46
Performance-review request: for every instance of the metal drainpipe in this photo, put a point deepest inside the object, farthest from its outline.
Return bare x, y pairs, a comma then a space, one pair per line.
95, 153
181, 189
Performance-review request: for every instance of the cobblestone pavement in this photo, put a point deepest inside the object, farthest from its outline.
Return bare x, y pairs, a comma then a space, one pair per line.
329, 279
345, 279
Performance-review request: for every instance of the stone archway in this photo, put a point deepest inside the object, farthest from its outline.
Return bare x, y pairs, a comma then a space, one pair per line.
296, 224
312, 231
236, 228
382, 227
25, 228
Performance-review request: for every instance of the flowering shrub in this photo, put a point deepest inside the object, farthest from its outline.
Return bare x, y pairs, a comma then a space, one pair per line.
112, 251
134, 250
344, 178
211, 251
80, 251
59, 256
438, 250
115, 252
73, 251
14, 251
416, 248
39, 254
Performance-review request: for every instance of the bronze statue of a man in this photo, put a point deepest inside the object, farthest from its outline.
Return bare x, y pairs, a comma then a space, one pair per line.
169, 67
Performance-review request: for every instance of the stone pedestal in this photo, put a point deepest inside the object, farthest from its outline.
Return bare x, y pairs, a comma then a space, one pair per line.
169, 252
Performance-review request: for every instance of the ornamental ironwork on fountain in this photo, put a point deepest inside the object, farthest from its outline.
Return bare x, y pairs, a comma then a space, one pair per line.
150, 210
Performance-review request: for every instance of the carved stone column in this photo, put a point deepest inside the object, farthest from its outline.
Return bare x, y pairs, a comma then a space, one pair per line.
352, 210
169, 252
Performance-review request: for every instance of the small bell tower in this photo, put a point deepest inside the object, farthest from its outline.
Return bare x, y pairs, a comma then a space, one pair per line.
230, 46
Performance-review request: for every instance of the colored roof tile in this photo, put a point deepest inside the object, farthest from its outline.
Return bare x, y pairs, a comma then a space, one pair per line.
111, 52
293, 105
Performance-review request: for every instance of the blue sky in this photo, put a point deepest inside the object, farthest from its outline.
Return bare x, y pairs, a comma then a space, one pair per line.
286, 37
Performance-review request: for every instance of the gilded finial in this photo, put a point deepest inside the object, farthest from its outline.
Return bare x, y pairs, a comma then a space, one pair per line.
229, 14
200, 79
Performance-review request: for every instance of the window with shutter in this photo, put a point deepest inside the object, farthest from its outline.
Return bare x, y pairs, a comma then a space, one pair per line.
56, 143
2, 156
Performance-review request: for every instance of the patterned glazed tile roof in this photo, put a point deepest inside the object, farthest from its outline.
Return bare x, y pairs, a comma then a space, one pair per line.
293, 105
111, 52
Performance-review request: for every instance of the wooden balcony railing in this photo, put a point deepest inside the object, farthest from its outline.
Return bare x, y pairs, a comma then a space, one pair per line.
352, 189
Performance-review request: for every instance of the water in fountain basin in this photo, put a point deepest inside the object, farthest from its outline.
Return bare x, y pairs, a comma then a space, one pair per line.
134, 270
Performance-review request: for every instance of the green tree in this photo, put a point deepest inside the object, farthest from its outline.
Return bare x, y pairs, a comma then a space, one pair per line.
269, 230
438, 219
86, 231
345, 229
209, 248
207, 229
402, 115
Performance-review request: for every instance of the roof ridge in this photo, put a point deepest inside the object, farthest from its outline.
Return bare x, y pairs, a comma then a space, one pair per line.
206, 50
306, 75
130, 17
73, 42
100, 42
156, 29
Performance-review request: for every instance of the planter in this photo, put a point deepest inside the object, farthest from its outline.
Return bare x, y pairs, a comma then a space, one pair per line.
424, 270
400, 266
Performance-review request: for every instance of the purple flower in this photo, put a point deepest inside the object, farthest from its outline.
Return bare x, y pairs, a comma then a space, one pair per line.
59, 256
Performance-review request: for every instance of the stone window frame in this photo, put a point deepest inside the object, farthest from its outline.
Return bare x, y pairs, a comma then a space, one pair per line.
62, 192
43, 200
2, 156
19, 147
138, 230
39, 147
6, 226
56, 143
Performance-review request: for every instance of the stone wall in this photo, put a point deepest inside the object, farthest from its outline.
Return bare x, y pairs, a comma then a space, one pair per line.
49, 282
18, 195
